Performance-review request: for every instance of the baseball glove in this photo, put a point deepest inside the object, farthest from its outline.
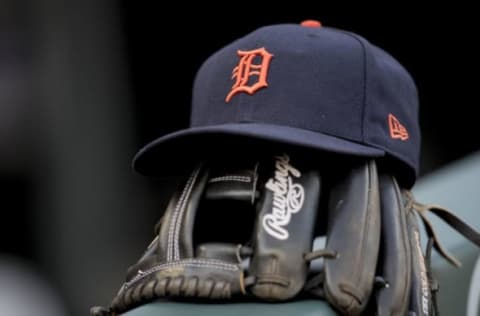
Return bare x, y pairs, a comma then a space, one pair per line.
246, 229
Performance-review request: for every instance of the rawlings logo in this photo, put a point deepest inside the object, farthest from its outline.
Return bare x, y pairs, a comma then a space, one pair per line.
288, 198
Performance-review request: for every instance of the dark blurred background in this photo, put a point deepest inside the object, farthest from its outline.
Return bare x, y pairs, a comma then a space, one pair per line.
84, 84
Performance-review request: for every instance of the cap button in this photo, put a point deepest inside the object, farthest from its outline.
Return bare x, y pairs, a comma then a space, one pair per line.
311, 23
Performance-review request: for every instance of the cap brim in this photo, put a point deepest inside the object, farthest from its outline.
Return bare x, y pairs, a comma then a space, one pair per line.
165, 155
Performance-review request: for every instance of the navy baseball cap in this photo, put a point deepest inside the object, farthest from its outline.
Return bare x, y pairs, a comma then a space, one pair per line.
304, 85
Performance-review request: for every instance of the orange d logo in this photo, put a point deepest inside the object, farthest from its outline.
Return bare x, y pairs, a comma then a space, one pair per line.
246, 69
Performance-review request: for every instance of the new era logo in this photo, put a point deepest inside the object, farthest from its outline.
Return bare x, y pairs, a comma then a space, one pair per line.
397, 130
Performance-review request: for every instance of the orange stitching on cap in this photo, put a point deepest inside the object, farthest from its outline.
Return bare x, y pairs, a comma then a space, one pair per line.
246, 69
397, 130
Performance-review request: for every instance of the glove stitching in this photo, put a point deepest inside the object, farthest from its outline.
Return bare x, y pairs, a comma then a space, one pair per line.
236, 178
255, 181
172, 240
214, 264
174, 216
180, 218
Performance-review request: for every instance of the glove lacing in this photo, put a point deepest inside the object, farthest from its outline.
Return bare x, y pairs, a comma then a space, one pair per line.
433, 240
315, 284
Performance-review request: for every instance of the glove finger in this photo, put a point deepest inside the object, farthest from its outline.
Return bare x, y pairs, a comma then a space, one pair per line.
354, 233
395, 256
284, 230
420, 294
